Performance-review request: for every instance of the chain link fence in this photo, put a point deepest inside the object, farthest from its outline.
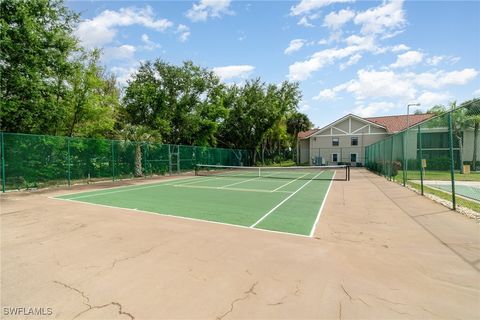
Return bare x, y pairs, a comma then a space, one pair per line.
35, 161
439, 157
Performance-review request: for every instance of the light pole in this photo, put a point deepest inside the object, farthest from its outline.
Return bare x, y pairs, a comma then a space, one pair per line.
405, 160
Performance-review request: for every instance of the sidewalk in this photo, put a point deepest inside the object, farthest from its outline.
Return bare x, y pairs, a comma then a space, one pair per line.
380, 251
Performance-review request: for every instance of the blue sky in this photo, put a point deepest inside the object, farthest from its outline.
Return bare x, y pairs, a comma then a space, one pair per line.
370, 58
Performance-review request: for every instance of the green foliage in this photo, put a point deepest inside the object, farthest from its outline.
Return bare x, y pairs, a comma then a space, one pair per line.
35, 45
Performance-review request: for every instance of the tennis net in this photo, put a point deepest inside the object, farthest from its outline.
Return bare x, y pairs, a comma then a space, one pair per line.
341, 172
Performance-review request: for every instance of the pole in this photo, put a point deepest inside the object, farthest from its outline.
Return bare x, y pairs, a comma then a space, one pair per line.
420, 155
452, 167
3, 165
69, 162
391, 159
113, 161
145, 159
404, 167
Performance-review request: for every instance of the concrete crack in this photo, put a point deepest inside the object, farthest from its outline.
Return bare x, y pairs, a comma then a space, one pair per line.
246, 295
340, 310
131, 257
351, 298
92, 307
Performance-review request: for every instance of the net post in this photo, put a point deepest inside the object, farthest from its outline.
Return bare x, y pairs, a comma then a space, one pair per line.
113, 160
3, 163
452, 166
420, 155
69, 161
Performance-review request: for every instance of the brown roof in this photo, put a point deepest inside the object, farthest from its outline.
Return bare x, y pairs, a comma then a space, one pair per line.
399, 123
304, 134
391, 123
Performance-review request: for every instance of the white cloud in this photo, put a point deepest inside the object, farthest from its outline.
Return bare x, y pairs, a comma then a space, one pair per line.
351, 61
305, 23
435, 60
102, 29
295, 45
237, 71
307, 6
149, 44
372, 84
302, 70
184, 32
407, 59
400, 47
373, 109
123, 52
123, 74
327, 94
383, 19
205, 9
335, 20
476, 93
443, 78
304, 108
429, 99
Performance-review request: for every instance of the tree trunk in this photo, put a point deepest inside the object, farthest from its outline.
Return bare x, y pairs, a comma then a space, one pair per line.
475, 144
138, 160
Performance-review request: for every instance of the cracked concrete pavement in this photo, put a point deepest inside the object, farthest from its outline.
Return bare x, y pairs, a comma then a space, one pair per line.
379, 251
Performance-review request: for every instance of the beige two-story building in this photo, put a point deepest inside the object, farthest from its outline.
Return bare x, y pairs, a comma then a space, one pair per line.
344, 140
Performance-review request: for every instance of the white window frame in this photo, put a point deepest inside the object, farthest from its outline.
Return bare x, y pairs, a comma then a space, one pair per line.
351, 141
356, 157
338, 145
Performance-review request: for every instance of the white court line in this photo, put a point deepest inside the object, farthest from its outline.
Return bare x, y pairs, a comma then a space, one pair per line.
284, 200
128, 188
321, 206
286, 184
231, 189
185, 218
232, 184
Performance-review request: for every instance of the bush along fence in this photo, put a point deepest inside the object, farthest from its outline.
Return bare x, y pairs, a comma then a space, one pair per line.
439, 156
35, 161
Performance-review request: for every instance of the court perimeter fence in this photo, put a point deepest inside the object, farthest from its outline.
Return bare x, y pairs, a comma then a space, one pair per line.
35, 161
439, 156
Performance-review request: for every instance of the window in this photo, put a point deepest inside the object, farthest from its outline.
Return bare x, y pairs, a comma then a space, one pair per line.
335, 142
354, 141
353, 157
335, 157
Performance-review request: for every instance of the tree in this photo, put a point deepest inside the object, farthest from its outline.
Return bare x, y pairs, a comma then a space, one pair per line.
473, 113
139, 135
184, 103
92, 99
297, 122
36, 43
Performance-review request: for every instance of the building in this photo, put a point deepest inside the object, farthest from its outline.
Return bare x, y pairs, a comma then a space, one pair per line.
344, 140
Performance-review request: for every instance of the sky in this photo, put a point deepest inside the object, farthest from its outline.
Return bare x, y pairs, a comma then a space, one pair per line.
369, 58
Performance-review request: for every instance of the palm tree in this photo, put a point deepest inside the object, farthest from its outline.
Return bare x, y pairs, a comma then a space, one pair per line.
473, 114
139, 135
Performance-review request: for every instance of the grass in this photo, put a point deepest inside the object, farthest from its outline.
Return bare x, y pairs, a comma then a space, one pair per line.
446, 196
440, 175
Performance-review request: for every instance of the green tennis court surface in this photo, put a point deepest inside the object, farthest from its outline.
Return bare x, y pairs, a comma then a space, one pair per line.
284, 205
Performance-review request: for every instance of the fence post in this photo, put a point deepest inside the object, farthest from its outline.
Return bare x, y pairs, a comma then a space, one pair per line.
69, 161
145, 159
3, 164
452, 166
404, 164
391, 159
420, 156
113, 160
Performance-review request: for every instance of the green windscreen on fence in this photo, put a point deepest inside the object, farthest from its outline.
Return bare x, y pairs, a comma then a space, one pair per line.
35, 161
440, 156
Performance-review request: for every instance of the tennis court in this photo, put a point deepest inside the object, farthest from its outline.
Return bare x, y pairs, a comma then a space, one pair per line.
285, 199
